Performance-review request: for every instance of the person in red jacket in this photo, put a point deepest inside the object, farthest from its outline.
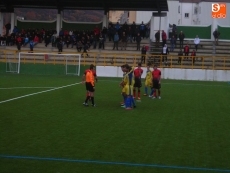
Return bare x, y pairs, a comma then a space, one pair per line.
193, 56
19, 42
163, 37
186, 51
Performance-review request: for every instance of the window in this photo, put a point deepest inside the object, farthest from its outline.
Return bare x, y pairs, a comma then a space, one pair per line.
178, 9
186, 15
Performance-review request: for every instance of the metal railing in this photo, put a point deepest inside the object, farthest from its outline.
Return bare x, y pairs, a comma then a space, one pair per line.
117, 59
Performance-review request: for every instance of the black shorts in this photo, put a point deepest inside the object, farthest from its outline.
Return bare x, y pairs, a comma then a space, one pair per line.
137, 82
89, 87
156, 84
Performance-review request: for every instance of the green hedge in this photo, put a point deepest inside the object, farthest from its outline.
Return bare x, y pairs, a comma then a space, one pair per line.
80, 26
191, 31
39, 25
224, 32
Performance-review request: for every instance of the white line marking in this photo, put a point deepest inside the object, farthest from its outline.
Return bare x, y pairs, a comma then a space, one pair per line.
25, 88
39, 92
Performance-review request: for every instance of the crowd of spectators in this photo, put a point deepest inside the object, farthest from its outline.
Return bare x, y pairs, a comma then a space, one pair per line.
81, 40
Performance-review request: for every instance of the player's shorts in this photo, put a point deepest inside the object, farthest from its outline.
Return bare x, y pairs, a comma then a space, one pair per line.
148, 83
156, 84
128, 89
89, 87
137, 83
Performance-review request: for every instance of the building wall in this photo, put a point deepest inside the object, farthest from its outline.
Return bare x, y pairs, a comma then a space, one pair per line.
144, 16
172, 73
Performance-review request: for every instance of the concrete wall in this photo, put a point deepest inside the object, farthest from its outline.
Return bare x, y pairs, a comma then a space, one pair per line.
172, 73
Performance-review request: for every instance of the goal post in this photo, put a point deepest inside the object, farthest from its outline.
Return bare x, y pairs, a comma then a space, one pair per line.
11, 63
68, 64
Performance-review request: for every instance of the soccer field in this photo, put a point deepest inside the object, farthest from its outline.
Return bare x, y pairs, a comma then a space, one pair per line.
44, 128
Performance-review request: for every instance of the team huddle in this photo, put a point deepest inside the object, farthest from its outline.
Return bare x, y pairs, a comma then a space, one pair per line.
130, 83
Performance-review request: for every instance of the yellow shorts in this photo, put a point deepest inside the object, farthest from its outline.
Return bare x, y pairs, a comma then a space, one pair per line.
128, 89
148, 83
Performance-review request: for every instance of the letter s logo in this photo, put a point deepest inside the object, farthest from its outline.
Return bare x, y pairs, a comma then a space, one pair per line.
215, 8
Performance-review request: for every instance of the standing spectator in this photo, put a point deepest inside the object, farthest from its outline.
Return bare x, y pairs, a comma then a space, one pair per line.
116, 40
123, 41
138, 41
165, 52
19, 42
193, 56
216, 35
164, 38
111, 32
8, 38
180, 55
104, 33
143, 54
60, 46
61, 33
142, 30
133, 29
186, 51
172, 41
181, 38
157, 37
101, 42
47, 40
196, 42
96, 31
8, 27
31, 45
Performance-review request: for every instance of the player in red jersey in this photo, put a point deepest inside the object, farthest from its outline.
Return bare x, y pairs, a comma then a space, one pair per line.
156, 76
137, 76
84, 75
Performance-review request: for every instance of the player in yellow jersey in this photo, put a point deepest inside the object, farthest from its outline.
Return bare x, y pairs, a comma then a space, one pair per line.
129, 82
148, 80
122, 85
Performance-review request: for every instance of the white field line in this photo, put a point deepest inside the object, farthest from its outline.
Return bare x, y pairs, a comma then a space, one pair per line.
16, 98
26, 88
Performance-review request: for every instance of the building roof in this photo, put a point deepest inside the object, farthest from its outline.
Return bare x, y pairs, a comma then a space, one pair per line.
129, 5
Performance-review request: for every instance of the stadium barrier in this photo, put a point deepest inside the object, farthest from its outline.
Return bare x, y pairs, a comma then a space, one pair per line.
117, 59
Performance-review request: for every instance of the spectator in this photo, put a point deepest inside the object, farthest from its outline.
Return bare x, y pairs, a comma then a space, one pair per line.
60, 46
104, 33
26, 41
36, 40
8, 27
133, 31
157, 37
31, 45
216, 35
142, 30
172, 42
143, 54
164, 38
116, 40
123, 41
101, 42
181, 39
193, 56
180, 55
186, 51
165, 52
47, 40
19, 42
196, 42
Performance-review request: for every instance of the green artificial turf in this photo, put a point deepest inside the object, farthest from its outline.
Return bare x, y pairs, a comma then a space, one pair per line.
188, 127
